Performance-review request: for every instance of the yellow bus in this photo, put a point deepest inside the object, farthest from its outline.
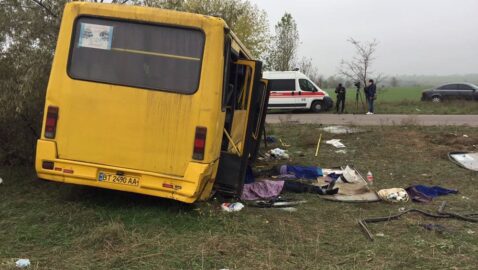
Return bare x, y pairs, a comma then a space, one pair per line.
151, 101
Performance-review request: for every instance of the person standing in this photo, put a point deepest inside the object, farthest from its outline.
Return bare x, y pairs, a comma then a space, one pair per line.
340, 91
370, 95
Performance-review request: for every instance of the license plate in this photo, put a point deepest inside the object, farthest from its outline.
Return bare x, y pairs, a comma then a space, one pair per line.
118, 179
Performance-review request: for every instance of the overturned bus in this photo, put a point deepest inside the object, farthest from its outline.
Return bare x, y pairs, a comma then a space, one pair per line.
151, 101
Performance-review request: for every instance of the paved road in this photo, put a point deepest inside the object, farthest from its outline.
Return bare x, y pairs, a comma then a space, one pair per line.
376, 119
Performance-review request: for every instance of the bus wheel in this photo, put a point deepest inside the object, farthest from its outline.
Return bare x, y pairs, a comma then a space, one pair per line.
316, 106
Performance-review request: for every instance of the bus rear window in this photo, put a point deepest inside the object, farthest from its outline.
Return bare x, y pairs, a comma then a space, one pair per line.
139, 55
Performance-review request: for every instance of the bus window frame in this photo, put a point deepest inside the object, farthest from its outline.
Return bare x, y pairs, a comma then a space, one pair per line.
72, 44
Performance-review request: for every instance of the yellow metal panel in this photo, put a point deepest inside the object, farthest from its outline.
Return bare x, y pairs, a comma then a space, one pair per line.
130, 127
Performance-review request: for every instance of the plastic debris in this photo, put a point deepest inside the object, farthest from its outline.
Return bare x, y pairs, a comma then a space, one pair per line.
22, 263
279, 153
1, 181
470, 231
232, 207
342, 151
340, 130
336, 143
370, 178
380, 234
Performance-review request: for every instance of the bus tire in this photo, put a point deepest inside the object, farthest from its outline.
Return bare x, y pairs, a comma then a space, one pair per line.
316, 106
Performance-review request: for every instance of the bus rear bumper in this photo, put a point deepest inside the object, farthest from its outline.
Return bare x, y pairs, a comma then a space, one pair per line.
196, 183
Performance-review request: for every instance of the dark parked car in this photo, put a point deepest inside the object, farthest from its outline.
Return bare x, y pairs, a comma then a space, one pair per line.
450, 91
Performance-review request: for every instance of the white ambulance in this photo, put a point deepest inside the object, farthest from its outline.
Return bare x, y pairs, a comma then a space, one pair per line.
294, 90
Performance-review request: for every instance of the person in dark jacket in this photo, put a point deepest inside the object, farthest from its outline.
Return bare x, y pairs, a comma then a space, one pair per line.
370, 95
340, 91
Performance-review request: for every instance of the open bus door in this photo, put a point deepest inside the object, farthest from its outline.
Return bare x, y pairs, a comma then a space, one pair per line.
242, 136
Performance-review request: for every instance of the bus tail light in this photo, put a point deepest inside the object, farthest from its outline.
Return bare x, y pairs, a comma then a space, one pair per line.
199, 143
47, 165
51, 121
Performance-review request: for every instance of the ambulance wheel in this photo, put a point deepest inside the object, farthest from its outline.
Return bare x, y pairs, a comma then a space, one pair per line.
317, 106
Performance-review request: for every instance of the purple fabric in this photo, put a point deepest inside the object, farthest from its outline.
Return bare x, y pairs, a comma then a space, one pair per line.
265, 189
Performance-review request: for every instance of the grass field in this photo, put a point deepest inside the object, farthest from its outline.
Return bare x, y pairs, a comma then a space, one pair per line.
59, 226
406, 100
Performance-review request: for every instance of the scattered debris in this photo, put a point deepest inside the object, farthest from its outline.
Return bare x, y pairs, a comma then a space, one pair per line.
283, 143
276, 203
380, 234
425, 194
352, 186
342, 151
318, 145
336, 143
301, 172
465, 198
232, 207
401, 209
271, 139
1, 181
279, 153
464, 135
466, 160
470, 231
393, 195
341, 130
22, 263
470, 217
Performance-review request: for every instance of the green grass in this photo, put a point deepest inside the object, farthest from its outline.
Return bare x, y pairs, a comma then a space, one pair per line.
60, 226
406, 100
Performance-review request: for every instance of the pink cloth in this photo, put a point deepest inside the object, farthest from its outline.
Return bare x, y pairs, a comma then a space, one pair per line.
265, 189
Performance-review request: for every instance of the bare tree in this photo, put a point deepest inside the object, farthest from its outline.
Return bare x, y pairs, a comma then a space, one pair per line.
306, 66
359, 67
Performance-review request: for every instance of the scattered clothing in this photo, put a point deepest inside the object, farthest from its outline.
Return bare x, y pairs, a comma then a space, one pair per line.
298, 187
304, 172
265, 189
420, 193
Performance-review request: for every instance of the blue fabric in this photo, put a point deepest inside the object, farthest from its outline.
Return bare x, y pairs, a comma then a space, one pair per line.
307, 172
334, 175
435, 191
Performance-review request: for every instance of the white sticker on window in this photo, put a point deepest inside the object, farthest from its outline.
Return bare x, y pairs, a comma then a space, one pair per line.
95, 36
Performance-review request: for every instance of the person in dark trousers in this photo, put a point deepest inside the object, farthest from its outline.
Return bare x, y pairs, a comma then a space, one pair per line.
370, 95
340, 91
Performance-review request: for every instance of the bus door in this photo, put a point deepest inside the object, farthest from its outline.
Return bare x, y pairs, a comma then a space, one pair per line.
241, 137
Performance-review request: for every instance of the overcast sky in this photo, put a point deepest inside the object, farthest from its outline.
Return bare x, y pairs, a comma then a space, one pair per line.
429, 37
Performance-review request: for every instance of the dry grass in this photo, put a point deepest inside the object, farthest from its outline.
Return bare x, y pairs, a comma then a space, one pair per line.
71, 227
